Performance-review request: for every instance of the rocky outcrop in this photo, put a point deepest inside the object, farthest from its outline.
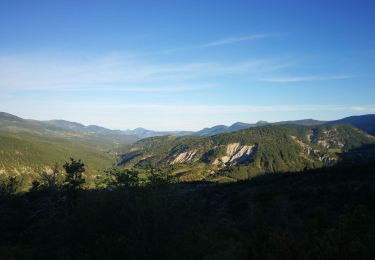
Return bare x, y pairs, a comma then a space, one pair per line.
235, 153
306, 148
184, 157
324, 158
330, 143
328, 139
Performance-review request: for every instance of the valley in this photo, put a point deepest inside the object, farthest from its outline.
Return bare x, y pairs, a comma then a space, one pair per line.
242, 151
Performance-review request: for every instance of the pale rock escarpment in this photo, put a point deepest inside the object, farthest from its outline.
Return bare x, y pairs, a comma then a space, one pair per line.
184, 157
325, 158
235, 152
327, 140
306, 148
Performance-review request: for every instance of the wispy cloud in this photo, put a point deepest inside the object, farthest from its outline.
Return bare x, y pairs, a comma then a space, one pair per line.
235, 109
232, 40
194, 109
306, 78
161, 89
214, 43
124, 72
118, 72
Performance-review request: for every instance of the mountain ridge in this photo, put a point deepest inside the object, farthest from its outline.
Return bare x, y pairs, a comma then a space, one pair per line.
364, 122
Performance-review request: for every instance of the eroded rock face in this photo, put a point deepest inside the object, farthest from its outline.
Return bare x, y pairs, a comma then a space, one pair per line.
306, 148
325, 158
235, 152
184, 157
327, 140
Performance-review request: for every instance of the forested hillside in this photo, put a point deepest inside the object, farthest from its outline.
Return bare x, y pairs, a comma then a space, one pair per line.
28, 156
29, 147
245, 153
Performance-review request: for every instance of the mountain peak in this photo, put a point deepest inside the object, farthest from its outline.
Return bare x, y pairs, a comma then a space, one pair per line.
140, 129
65, 123
239, 124
7, 116
262, 122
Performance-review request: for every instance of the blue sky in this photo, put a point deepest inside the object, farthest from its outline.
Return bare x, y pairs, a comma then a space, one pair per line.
186, 65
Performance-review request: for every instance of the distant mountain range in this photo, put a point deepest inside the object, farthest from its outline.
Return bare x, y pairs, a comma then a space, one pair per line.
13, 123
218, 129
363, 122
91, 135
144, 133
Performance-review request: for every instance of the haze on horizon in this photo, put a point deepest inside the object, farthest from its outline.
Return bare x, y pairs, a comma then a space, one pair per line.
168, 65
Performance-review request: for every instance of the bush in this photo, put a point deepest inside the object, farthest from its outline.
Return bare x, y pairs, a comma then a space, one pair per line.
74, 179
9, 186
120, 178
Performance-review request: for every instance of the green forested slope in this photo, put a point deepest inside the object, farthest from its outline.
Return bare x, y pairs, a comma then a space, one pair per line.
27, 155
28, 147
245, 153
95, 136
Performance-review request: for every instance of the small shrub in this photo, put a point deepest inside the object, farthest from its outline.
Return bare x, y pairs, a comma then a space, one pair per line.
120, 178
9, 186
74, 179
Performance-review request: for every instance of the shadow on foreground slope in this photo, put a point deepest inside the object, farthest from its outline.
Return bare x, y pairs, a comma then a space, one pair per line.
321, 214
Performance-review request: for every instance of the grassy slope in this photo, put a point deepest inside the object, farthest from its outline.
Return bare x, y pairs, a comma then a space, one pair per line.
27, 154
97, 137
28, 146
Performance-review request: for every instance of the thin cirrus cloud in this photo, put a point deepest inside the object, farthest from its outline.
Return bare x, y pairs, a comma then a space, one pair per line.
119, 72
161, 89
235, 109
215, 43
190, 109
306, 78
232, 40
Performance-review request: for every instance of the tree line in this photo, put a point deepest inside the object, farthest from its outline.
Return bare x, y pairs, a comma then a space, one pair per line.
72, 179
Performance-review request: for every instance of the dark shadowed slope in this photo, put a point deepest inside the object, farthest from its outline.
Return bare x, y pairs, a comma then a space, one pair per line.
364, 122
326, 214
